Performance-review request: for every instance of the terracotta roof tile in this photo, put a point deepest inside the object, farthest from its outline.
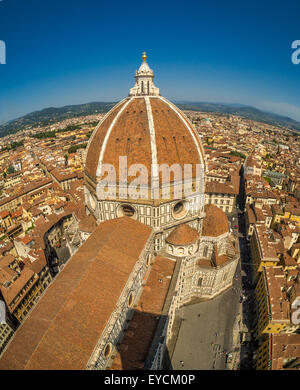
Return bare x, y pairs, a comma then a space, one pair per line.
183, 235
215, 222
130, 137
61, 331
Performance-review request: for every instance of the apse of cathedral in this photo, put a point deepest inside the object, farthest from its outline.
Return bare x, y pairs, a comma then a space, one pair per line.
152, 250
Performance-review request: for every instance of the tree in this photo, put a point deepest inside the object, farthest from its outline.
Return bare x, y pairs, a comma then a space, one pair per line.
11, 169
268, 179
74, 148
237, 154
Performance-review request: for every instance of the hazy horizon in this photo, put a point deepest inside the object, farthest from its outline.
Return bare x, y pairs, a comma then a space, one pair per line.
178, 101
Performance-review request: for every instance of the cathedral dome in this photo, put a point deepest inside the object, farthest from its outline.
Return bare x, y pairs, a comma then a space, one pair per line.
147, 129
215, 222
183, 234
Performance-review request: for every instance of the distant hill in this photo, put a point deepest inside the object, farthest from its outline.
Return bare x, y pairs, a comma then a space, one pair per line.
52, 115
243, 111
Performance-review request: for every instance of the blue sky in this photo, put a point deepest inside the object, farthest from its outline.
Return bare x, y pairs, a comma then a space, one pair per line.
63, 52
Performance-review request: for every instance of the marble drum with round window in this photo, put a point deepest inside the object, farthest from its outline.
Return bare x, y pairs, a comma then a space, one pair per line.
126, 210
180, 209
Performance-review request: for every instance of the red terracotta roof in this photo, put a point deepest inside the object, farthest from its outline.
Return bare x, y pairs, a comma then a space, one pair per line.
62, 331
215, 222
183, 235
130, 137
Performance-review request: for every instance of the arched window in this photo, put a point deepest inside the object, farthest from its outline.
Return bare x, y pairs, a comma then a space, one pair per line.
148, 259
142, 84
148, 87
205, 251
200, 280
180, 251
130, 300
107, 350
225, 276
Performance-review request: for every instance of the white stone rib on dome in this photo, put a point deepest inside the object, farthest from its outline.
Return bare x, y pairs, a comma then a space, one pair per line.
151, 133
107, 135
102, 120
152, 140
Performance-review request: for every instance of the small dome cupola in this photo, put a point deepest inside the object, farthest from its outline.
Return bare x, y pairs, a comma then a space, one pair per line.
144, 85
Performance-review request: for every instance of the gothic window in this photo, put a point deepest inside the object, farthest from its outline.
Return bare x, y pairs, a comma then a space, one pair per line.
205, 251
130, 300
107, 350
142, 84
200, 280
149, 257
92, 202
225, 276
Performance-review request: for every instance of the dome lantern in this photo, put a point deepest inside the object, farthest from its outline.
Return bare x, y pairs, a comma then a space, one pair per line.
144, 85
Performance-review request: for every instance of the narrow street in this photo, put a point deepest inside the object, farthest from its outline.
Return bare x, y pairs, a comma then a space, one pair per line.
249, 297
248, 317
63, 253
